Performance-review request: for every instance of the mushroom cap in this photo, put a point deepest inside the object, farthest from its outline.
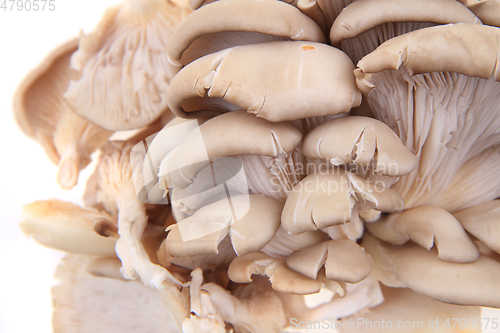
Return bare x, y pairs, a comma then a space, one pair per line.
362, 141
487, 10
227, 23
475, 53
282, 278
242, 134
474, 283
405, 305
88, 302
250, 220
362, 15
54, 73
279, 82
67, 227
344, 260
483, 221
125, 73
426, 226
43, 114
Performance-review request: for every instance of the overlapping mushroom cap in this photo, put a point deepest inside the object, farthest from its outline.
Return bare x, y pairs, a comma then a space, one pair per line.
278, 191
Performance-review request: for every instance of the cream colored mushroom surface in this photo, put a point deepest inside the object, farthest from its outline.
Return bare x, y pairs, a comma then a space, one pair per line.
279, 81
364, 24
227, 23
274, 199
124, 72
43, 114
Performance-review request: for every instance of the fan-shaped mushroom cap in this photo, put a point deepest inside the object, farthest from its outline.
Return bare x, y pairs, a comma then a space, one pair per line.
344, 260
426, 226
483, 221
487, 10
405, 305
413, 266
67, 227
282, 278
250, 220
43, 114
158, 146
475, 53
327, 199
231, 134
85, 302
227, 23
362, 141
283, 244
279, 81
124, 69
446, 112
362, 15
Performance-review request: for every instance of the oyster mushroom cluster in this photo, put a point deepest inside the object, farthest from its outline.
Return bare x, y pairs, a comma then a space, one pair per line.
291, 162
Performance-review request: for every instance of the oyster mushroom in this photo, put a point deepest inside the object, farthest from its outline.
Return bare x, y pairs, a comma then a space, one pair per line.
420, 270
365, 24
124, 73
67, 227
278, 88
43, 114
441, 109
228, 23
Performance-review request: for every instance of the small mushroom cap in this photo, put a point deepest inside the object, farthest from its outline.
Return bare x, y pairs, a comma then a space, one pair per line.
231, 134
363, 15
318, 201
228, 23
43, 114
474, 48
125, 73
474, 283
279, 81
344, 260
67, 227
426, 226
250, 220
483, 221
362, 141
283, 279
487, 10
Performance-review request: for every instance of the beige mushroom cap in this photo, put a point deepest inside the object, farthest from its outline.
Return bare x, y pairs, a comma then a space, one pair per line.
362, 15
474, 48
344, 260
227, 23
474, 283
250, 220
427, 226
279, 81
43, 114
124, 69
362, 141
231, 134
67, 227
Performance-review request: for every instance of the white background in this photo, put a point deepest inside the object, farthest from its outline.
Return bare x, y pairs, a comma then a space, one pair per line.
26, 268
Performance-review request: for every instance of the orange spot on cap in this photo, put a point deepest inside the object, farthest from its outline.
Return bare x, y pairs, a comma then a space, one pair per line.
308, 47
